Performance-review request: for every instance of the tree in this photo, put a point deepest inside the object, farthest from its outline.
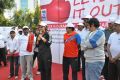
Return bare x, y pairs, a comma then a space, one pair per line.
29, 18
17, 17
6, 4
5, 22
37, 15
23, 18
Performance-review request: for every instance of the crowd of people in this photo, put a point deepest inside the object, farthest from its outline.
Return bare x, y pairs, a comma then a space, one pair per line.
94, 51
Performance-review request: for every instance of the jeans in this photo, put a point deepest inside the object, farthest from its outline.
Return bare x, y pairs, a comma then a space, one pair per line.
93, 70
38, 61
3, 56
14, 65
74, 65
114, 70
45, 60
83, 65
26, 63
79, 60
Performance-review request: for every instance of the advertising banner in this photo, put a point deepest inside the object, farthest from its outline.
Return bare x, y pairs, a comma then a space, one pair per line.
4, 30
59, 12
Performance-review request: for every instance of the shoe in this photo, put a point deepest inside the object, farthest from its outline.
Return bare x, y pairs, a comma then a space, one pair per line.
37, 73
5, 65
16, 77
23, 79
10, 76
102, 77
0, 64
31, 78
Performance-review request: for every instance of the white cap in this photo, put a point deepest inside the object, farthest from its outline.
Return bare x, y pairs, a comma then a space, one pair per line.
42, 23
111, 20
25, 27
70, 25
87, 17
12, 30
81, 24
117, 21
20, 30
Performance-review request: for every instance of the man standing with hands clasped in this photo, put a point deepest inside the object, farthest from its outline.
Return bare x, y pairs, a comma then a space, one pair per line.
26, 41
114, 53
12, 47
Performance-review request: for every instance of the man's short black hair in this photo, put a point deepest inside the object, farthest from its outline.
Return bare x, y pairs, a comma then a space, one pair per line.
71, 28
94, 21
12, 32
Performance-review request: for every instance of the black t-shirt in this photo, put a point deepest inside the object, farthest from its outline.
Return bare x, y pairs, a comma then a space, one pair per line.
43, 46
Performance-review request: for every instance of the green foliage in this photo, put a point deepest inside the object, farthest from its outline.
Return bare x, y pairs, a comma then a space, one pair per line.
6, 4
17, 18
23, 18
37, 15
5, 22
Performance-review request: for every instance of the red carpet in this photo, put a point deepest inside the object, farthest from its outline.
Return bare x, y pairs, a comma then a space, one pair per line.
56, 73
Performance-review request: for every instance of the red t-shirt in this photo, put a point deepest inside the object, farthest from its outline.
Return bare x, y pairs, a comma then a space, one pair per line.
70, 45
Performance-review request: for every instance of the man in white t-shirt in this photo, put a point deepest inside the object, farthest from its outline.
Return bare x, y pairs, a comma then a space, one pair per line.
85, 33
13, 48
114, 53
26, 42
109, 30
80, 27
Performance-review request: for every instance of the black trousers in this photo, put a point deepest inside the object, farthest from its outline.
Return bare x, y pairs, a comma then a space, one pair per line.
3, 56
114, 71
14, 65
79, 60
74, 65
38, 61
105, 68
83, 65
45, 65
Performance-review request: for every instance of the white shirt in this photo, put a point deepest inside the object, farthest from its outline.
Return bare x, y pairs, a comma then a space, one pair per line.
79, 32
84, 34
23, 41
17, 35
2, 41
114, 41
12, 44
